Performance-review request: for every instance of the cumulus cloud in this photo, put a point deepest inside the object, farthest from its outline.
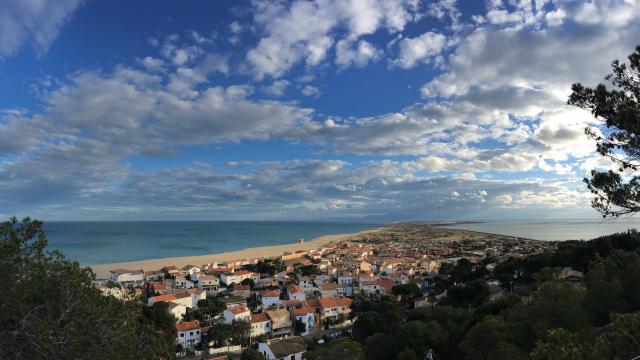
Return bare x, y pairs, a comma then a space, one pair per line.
497, 105
419, 49
307, 30
358, 55
33, 21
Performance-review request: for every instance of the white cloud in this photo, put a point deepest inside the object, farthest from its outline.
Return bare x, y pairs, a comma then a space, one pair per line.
277, 88
419, 49
309, 90
358, 55
306, 31
34, 21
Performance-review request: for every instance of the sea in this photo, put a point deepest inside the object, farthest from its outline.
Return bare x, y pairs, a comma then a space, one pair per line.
107, 242
552, 229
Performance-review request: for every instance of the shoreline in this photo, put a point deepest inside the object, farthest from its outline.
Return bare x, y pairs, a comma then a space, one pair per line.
102, 270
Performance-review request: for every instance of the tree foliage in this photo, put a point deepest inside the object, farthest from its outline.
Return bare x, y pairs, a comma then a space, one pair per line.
338, 349
619, 141
51, 310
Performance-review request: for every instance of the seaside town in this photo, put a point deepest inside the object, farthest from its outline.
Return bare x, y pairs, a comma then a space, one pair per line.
279, 303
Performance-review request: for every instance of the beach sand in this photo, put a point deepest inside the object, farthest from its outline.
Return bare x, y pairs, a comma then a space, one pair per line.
102, 270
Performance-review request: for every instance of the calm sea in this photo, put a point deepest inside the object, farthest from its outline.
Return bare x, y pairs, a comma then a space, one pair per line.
106, 242
553, 229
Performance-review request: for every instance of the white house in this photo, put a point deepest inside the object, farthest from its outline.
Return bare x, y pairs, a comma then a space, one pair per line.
304, 315
270, 298
127, 276
280, 322
177, 310
331, 308
306, 282
188, 333
209, 283
378, 286
183, 283
345, 278
260, 325
236, 314
296, 293
235, 277
292, 348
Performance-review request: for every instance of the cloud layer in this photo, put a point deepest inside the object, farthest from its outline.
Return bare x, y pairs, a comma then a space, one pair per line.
492, 135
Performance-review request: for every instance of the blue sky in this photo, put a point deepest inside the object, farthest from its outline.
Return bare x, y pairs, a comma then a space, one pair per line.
324, 109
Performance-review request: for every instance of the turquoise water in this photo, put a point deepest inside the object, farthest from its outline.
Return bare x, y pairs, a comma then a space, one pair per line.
553, 229
105, 242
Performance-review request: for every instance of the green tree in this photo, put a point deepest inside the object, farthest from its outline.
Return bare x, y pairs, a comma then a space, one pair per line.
407, 291
604, 294
51, 310
561, 344
211, 307
367, 324
220, 334
484, 337
162, 320
338, 349
241, 331
619, 109
251, 354
379, 346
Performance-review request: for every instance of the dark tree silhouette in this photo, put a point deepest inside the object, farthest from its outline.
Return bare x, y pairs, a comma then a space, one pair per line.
619, 141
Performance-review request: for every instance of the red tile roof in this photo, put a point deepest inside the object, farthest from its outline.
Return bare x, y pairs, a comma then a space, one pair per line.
259, 318
293, 288
302, 312
330, 302
168, 297
271, 293
238, 310
189, 325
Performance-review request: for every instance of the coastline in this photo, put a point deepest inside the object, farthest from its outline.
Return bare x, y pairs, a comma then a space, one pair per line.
102, 270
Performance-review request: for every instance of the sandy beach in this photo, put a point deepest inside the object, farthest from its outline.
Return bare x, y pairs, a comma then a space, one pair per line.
102, 270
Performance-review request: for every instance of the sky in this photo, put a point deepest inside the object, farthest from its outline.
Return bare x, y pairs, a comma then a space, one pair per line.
372, 110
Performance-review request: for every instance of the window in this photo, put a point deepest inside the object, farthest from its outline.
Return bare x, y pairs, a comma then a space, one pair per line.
181, 334
190, 333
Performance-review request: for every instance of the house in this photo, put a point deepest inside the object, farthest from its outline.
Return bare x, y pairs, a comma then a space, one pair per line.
292, 348
305, 316
196, 295
377, 287
124, 276
296, 293
329, 308
187, 270
188, 298
182, 283
329, 290
209, 283
177, 310
345, 278
166, 298
270, 298
238, 313
241, 290
280, 322
189, 333
154, 275
306, 282
571, 275
169, 270
260, 325
233, 301
237, 277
